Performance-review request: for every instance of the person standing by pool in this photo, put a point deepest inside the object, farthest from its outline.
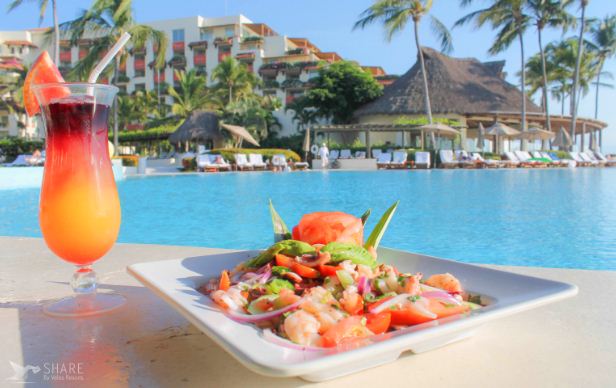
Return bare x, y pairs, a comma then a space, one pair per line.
324, 154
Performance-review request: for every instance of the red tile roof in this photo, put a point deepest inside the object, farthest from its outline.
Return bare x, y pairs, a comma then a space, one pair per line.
19, 43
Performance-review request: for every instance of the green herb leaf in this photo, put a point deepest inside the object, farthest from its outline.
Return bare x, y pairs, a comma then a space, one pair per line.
286, 247
278, 270
377, 233
345, 251
281, 232
364, 217
276, 285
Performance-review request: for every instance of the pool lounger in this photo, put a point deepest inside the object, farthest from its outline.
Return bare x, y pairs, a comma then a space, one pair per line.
399, 160
422, 160
447, 159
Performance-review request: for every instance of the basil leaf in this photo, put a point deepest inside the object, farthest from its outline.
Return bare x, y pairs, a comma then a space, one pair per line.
286, 247
377, 233
281, 232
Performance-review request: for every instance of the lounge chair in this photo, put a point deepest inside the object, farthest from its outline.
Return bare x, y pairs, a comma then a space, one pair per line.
608, 162
241, 162
383, 160
219, 161
590, 156
526, 159
422, 159
399, 160
513, 161
20, 161
279, 161
465, 161
376, 153
578, 159
447, 159
204, 163
489, 163
564, 162
553, 162
538, 156
360, 154
257, 161
300, 166
333, 155
345, 154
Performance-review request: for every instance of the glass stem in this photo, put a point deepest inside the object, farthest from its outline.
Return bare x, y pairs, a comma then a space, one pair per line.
84, 280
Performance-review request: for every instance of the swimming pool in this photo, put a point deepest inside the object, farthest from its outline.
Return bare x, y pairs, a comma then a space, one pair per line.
549, 218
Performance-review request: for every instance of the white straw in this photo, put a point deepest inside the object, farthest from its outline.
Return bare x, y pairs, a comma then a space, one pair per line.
113, 51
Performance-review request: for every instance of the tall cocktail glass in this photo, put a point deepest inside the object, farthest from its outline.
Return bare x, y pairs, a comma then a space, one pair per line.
79, 206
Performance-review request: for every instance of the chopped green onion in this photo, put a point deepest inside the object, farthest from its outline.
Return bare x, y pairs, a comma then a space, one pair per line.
345, 278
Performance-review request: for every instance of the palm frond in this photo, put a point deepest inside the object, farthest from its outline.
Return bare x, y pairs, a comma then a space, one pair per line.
441, 31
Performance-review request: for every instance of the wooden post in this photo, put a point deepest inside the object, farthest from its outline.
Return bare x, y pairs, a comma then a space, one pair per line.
422, 140
582, 136
368, 145
403, 138
600, 139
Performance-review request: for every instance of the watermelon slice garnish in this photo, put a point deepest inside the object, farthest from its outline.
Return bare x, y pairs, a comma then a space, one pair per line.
43, 71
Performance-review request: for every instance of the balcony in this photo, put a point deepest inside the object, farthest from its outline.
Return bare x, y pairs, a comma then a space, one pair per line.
201, 44
139, 64
223, 52
270, 84
271, 69
199, 59
251, 42
221, 42
123, 79
159, 78
178, 47
65, 56
201, 70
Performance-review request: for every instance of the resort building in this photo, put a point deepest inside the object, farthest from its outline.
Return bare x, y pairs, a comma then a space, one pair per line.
464, 90
285, 64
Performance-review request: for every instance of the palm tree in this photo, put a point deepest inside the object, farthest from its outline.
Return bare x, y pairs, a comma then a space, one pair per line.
233, 80
191, 93
576, 75
395, 15
509, 18
303, 114
548, 13
108, 20
603, 34
42, 10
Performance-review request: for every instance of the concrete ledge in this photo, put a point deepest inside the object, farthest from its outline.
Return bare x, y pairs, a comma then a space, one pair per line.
348, 164
12, 178
146, 343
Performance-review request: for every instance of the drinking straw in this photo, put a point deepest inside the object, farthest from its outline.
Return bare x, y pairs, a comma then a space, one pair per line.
113, 51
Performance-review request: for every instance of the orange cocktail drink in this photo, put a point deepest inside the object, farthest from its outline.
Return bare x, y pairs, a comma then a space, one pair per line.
79, 208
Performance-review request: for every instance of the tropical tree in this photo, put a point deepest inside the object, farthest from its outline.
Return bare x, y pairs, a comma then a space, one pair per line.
11, 95
395, 15
129, 110
42, 10
303, 114
107, 20
578, 64
603, 43
548, 13
233, 80
339, 89
511, 21
255, 113
190, 95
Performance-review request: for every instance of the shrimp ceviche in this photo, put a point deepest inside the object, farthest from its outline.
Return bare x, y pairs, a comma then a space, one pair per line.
322, 285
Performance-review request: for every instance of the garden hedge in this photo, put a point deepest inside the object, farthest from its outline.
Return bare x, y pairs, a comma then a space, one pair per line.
229, 153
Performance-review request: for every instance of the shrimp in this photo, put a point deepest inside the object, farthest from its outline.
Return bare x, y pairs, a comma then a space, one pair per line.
302, 328
445, 281
231, 299
409, 284
325, 308
364, 270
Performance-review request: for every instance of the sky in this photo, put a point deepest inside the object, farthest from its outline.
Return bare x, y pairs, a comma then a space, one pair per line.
329, 24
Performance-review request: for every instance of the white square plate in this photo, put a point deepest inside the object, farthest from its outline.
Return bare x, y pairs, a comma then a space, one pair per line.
177, 281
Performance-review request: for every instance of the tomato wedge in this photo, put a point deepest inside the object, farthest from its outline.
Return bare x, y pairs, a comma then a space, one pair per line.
329, 270
43, 71
300, 269
374, 305
410, 315
350, 327
378, 323
443, 310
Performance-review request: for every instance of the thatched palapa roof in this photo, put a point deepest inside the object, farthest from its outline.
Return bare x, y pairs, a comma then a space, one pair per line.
457, 85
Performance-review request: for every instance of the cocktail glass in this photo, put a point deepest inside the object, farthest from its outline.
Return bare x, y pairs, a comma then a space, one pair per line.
79, 206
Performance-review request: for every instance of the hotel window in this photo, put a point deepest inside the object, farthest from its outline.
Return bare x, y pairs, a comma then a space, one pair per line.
229, 32
178, 35
139, 65
4, 121
139, 87
206, 35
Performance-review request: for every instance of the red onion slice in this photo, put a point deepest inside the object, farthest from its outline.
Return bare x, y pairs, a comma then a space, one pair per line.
249, 318
363, 285
269, 336
442, 296
391, 302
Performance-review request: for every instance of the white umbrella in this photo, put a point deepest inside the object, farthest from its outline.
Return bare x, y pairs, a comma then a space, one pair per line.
535, 133
499, 130
594, 146
439, 129
481, 133
562, 139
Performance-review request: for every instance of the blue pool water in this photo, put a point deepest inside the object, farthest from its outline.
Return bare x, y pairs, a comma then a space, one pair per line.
550, 218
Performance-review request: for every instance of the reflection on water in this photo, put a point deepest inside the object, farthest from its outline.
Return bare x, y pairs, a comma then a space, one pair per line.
553, 218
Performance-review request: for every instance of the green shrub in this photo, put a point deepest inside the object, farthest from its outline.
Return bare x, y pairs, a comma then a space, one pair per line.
10, 147
161, 132
229, 153
189, 164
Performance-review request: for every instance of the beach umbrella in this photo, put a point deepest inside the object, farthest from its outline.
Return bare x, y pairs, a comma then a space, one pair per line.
535, 133
481, 134
562, 139
201, 125
439, 129
500, 130
306, 147
594, 146
241, 133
